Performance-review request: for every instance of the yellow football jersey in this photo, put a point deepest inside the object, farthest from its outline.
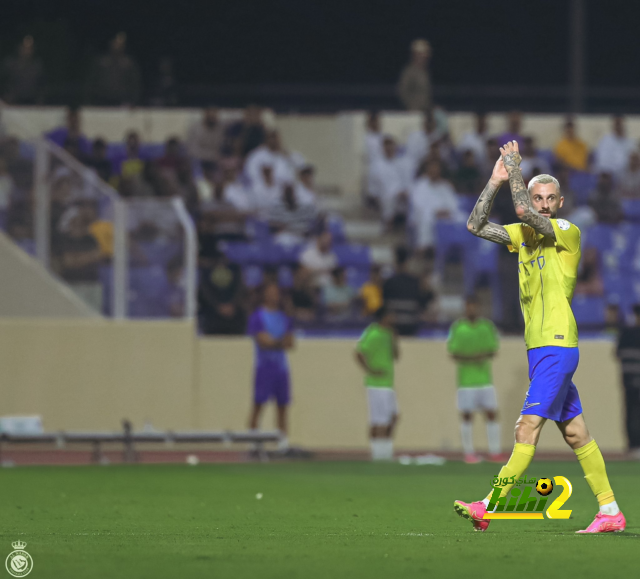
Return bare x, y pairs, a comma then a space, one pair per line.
547, 270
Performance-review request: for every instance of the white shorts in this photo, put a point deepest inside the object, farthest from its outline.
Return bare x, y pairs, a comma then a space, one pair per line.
482, 398
383, 406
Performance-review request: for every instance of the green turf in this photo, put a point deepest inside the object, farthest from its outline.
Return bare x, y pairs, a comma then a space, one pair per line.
315, 520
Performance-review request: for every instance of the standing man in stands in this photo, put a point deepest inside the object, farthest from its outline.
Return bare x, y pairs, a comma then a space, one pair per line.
473, 342
414, 86
628, 352
272, 331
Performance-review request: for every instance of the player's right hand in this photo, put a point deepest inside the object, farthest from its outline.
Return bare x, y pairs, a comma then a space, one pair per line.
499, 174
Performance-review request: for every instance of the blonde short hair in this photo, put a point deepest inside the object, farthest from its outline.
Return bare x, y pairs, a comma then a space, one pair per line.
544, 179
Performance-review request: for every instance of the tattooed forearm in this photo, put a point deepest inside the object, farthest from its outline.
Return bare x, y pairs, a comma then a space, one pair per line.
521, 198
478, 222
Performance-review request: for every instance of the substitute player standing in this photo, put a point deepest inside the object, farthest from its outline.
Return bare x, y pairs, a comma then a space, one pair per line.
376, 351
549, 252
473, 342
272, 331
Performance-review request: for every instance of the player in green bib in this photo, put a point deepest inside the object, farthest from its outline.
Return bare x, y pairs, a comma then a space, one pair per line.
473, 341
376, 353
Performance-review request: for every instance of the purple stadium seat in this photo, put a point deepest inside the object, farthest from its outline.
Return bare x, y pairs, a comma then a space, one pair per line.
357, 276
631, 209
448, 236
480, 257
285, 277
353, 255
589, 310
582, 183
335, 225
252, 275
148, 291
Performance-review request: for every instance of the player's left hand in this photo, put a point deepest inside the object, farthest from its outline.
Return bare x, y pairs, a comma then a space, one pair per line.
511, 155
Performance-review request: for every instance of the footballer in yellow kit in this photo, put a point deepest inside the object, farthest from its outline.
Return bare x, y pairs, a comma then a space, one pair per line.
548, 257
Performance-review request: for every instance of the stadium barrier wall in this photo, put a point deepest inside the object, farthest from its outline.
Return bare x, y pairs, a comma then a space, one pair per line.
334, 143
89, 375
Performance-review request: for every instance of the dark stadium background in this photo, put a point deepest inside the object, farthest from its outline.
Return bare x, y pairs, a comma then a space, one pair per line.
224, 49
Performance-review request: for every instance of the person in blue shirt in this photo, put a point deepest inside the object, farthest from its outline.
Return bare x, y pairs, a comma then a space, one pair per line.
272, 331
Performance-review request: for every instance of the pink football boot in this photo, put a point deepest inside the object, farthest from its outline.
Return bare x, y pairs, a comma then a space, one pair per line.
474, 512
606, 524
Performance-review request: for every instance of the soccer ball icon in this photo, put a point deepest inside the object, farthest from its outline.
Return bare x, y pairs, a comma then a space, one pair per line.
544, 486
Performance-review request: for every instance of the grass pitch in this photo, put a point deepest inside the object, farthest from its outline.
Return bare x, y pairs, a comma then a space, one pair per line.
314, 520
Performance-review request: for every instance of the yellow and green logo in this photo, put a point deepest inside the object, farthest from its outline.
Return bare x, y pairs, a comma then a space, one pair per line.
522, 502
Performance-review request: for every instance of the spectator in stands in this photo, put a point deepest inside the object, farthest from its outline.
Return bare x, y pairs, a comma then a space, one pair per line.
570, 150
373, 137
244, 136
132, 164
205, 138
319, 259
604, 202
629, 181
468, 177
431, 198
98, 160
589, 281
22, 76
420, 142
164, 90
303, 295
532, 163
305, 186
613, 151
72, 131
613, 321
476, 141
233, 190
81, 257
185, 187
266, 192
414, 86
222, 298
114, 79
371, 292
403, 296
290, 220
270, 155
628, 352
172, 159
389, 178
514, 128
338, 297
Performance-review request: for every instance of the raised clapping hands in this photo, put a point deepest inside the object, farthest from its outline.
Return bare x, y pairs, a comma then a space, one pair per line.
511, 155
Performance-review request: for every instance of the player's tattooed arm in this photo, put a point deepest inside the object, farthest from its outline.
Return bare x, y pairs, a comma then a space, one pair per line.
519, 193
478, 222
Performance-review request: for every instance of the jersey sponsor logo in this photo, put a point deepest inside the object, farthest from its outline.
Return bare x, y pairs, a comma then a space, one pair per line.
558, 337
562, 224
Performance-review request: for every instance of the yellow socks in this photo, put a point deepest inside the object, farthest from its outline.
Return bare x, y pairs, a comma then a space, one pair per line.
595, 472
519, 462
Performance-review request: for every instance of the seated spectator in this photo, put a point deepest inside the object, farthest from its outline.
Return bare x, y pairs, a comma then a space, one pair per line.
319, 259
389, 179
514, 129
604, 201
148, 183
373, 137
305, 187
629, 181
289, 220
71, 132
266, 192
185, 187
270, 154
175, 297
204, 141
431, 198
419, 142
476, 141
98, 160
23, 75
133, 164
242, 137
222, 298
467, 178
172, 159
338, 297
532, 163
589, 281
80, 259
570, 150
114, 79
403, 295
303, 296
613, 150
371, 292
